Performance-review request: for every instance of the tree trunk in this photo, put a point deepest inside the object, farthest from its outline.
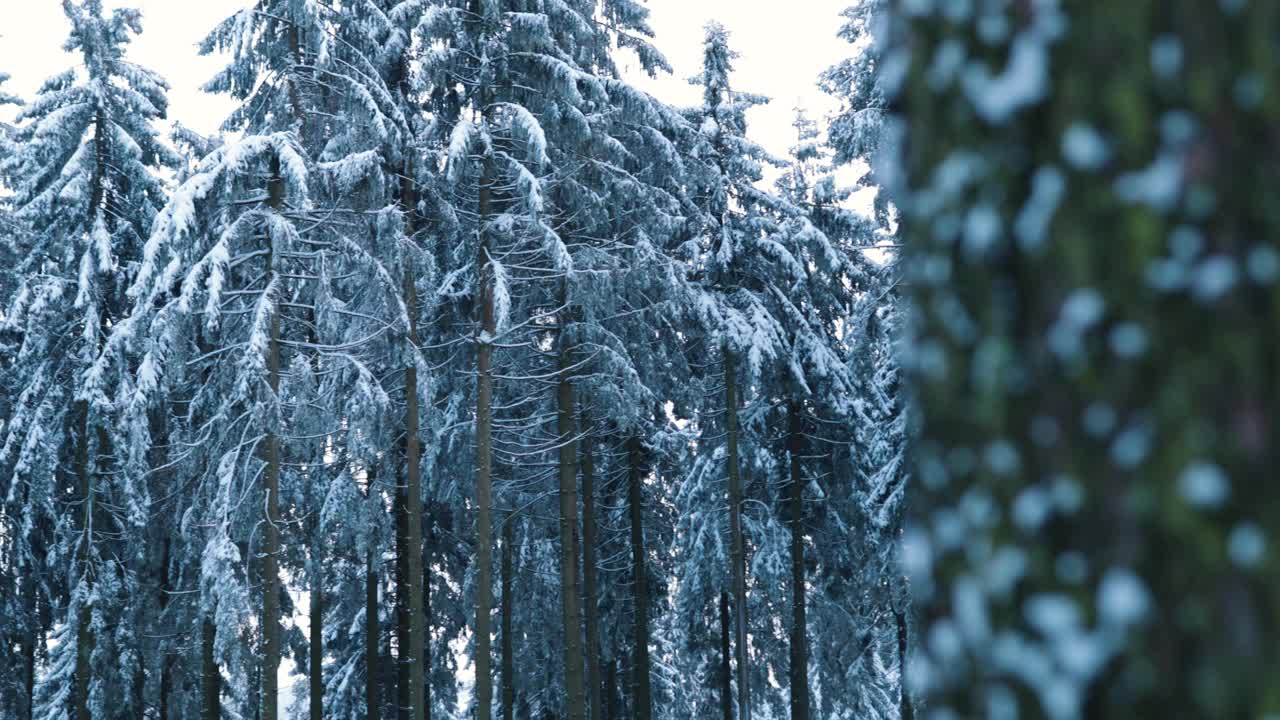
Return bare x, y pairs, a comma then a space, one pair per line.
799, 634
160, 459
401, 604
626, 681
737, 550
315, 571
83, 468
373, 709
641, 694
29, 676
567, 427
210, 675
484, 466
428, 552
726, 690
29, 639
595, 703
508, 662
315, 673
412, 548
84, 634
166, 660
611, 690
271, 488
907, 711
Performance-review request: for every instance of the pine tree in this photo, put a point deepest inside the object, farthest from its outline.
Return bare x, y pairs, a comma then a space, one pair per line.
737, 266
21, 627
204, 311
9, 226
273, 40
18, 627
518, 126
322, 65
86, 181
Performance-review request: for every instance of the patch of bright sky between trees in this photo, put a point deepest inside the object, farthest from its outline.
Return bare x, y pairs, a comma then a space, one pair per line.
783, 47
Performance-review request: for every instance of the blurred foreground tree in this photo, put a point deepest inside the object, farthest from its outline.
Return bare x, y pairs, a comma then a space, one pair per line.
1085, 192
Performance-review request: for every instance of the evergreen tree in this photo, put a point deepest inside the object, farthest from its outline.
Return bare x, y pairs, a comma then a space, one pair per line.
19, 622
9, 226
86, 182
519, 89
737, 264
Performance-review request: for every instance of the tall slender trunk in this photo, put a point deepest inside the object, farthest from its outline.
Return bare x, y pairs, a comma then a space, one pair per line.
28, 649
315, 572
428, 552
372, 700
166, 659
83, 467
595, 703
508, 661
641, 694
401, 604
271, 488
137, 697
611, 690
567, 428
726, 689
160, 459
484, 461
210, 675
907, 710
412, 547
315, 671
799, 634
735, 532
625, 685
84, 634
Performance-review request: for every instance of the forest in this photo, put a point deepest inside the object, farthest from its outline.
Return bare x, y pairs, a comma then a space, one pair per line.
459, 376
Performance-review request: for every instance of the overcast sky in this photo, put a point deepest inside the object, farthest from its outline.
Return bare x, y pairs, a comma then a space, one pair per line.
783, 46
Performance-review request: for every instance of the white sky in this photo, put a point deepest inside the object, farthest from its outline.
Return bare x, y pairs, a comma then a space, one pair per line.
783, 45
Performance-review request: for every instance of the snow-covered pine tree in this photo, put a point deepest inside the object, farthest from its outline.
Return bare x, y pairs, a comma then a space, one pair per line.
614, 193
855, 131
810, 291
86, 183
878, 453
19, 623
515, 89
844, 408
18, 628
872, 505
376, 87
738, 262
631, 295
9, 226
268, 46
320, 73
225, 256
